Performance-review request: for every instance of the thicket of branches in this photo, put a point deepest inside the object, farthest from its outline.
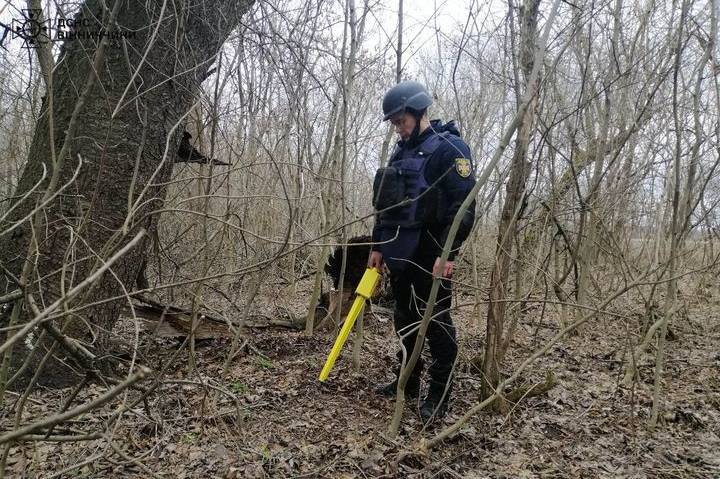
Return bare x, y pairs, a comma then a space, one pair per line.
593, 125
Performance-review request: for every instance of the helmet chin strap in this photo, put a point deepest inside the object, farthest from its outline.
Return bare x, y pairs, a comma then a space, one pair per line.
416, 131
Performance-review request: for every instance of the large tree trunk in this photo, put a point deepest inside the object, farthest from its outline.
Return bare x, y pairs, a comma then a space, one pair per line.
126, 138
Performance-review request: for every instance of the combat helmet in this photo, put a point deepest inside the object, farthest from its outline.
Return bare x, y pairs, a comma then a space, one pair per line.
408, 96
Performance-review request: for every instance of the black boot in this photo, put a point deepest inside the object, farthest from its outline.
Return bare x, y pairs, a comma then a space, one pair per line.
435, 404
412, 388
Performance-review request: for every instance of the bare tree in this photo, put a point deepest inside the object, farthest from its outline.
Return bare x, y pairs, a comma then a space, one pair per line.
100, 159
514, 200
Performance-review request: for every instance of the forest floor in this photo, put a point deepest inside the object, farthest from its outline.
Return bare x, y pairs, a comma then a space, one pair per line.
270, 417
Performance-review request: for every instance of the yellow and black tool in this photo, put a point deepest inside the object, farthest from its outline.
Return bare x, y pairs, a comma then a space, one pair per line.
364, 291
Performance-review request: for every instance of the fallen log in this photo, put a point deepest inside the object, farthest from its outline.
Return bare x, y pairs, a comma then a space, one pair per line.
171, 321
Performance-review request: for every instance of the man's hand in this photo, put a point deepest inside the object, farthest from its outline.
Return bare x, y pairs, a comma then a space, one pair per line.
447, 271
375, 260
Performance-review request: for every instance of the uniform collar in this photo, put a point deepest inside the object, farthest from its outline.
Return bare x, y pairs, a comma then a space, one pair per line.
435, 126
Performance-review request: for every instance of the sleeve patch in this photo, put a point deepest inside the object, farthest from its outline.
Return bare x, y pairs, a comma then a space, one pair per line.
462, 166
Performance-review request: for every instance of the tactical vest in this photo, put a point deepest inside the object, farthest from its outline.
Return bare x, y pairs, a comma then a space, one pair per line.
395, 195
397, 187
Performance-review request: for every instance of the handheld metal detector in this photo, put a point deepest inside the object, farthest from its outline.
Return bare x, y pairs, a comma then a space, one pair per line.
364, 291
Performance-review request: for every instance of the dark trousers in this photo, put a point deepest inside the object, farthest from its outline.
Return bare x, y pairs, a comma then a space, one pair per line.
411, 288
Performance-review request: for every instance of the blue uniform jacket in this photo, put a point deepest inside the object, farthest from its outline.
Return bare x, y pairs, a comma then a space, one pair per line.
452, 158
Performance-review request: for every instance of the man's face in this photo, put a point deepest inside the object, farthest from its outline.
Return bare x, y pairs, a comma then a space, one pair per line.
404, 124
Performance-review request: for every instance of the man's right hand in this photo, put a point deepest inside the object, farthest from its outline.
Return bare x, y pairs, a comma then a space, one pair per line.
375, 260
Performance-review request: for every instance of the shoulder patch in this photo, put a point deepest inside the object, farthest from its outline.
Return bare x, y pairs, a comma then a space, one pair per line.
462, 166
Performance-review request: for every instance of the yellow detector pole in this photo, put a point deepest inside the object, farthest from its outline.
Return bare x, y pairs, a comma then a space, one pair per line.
364, 291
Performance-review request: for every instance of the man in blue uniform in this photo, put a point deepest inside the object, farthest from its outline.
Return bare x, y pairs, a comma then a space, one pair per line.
416, 197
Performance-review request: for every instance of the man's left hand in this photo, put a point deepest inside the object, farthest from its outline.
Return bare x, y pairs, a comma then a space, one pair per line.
447, 271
